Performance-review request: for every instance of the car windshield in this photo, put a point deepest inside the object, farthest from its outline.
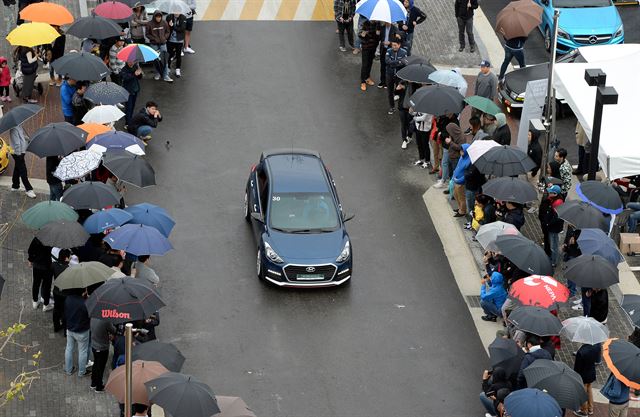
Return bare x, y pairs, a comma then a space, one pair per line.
572, 4
303, 212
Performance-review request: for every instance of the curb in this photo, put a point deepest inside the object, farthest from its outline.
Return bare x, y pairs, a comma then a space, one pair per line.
39, 186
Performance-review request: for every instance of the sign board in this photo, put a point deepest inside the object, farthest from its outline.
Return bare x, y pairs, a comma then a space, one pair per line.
535, 98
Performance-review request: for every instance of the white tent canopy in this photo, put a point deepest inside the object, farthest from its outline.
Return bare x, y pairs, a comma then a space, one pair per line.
619, 152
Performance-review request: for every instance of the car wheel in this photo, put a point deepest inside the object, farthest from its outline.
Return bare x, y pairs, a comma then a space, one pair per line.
247, 215
259, 270
547, 39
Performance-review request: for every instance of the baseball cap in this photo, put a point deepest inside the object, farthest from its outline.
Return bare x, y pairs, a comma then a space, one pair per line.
554, 189
485, 63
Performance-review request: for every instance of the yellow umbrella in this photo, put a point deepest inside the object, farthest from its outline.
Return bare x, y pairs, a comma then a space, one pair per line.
32, 34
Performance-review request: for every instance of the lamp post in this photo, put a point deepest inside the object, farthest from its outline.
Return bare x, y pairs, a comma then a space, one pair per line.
128, 335
549, 114
604, 95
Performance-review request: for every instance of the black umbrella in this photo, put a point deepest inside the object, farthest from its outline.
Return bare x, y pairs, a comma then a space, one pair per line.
417, 59
510, 189
81, 66
536, 320
63, 234
165, 353
591, 271
601, 196
57, 139
504, 161
582, 215
416, 73
91, 195
559, 380
106, 92
631, 305
94, 27
524, 254
130, 168
182, 395
505, 354
18, 115
623, 360
437, 100
120, 300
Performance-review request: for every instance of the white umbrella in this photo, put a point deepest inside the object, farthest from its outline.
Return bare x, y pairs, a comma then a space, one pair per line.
488, 233
171, 6
452, 78
134, 149
479, 148
77, 165
584, 330
103, 115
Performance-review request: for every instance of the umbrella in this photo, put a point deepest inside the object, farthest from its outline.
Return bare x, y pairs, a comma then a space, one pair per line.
48, 211
601, 196
479, 148
32, 34
94, 27
91, 195
138, 239
623, 360
63, 234
591, 271
182, 395
233, 407
483, 104
130, 168
106, 92
518, 19
585, 330
536, 320
18, 115
113, 10
94, 129
57, 139
510, 189
103, 114
531, 402
524, 254
151, 215
596, 242
389, 11
116, 140
631, 305
167, 354
77, 165
83, 275
437, 100
102, 220
539, 290
141, 372
137, 52
81, 66
582, 215
51, 13
416, 73
450, 78
504, 161
552, 180
561, 382
488, 233
417, 59
171, 6
506, 354
120, 300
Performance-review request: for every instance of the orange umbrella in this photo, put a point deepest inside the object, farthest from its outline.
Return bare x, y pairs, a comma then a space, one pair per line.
141, 372
51, 13
93, 129
623, 360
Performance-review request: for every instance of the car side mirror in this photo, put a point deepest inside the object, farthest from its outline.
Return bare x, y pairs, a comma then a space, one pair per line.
347, 217
257, 217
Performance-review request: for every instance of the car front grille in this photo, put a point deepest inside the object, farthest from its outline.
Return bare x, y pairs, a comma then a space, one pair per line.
592, 39
292, 272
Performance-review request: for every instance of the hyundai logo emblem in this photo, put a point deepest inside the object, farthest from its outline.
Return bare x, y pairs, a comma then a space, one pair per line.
311, 269
593, 39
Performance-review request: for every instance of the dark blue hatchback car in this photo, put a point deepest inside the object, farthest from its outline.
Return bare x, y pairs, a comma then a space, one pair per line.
296, 216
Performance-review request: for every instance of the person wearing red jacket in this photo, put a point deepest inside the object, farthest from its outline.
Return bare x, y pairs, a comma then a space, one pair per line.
5, 79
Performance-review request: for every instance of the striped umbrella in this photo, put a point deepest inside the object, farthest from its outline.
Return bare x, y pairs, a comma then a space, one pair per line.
389, 11
137, 52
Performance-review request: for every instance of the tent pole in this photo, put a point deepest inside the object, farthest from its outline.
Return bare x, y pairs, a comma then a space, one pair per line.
128, 337
549, 116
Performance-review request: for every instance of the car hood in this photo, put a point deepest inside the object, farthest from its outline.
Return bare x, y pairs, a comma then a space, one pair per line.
589, 20
517, 80
291, 246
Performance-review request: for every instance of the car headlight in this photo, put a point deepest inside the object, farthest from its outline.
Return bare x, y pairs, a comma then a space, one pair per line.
563, 34
619, 32
520, 97
271, 254
513, 95
346, 252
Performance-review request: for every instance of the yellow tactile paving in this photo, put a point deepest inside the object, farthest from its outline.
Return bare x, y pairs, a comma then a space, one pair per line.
321, 10
215, 10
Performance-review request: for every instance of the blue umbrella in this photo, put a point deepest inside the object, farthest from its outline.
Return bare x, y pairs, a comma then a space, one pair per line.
389, 11
106, 219
531, 402
153, 216
596, 242
117, 140
601, 196
138, 239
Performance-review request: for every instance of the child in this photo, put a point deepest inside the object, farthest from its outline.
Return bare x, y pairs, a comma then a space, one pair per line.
5, 79
483, 211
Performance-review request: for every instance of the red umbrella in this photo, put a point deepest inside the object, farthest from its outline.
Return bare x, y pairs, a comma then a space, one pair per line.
540, 291
113, 10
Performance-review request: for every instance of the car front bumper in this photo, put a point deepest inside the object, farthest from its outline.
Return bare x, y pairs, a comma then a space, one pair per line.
287, 274
508, 101
567, 45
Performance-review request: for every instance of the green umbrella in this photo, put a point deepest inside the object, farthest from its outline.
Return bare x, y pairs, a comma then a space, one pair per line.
483, 104
83, 275
48, 211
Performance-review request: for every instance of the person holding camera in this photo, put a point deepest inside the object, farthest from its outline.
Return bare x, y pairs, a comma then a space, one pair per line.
493, 381
145, 121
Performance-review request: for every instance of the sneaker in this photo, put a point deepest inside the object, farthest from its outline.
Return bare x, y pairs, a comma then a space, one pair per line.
580, 413
446, 192
8, 99
577, 300
96, 389
461, 48
342, 49
168, 79
32, 101
489, 318
52, 83
391, 110
178, 73
408, 139
467, 225
355, 51
120, 106
189, 50
146, 138
30, 194
404, 144
182, 53
369, 81
396, 97
425, 165
70, 373
156, 77
363, 86
418, 162
86, 373
577, 307
48, 307
532, 210
472, 48
15, 189
381, 84
89, 363
439, 184
35, 305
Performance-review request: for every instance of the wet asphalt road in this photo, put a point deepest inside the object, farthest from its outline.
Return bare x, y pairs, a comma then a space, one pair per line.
399, 341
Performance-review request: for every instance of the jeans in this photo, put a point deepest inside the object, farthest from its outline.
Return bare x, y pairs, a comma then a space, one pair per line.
553, 246
129, 107
161, 63
634, 217
82, 339
348, 28
490, 308
470, 197
100, 358
55, 191
445, 164
20, 173
465, 25
509, 53
572, 287
408, 42
357, 43
144, 130
41, 278
488, 404
422, 139
368, 55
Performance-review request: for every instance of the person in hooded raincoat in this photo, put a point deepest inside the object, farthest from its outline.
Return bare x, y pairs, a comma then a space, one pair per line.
502, 134
492, 296
534, 150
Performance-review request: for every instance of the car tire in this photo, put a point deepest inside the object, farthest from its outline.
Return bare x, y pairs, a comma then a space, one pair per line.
247, 215
547, 39
259, 271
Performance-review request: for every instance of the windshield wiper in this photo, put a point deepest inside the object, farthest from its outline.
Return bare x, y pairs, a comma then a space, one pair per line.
300, 231
278, 229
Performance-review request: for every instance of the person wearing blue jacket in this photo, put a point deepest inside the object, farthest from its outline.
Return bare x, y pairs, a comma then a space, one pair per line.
415, 16
492, 296
67, 90
618, 395
458, 181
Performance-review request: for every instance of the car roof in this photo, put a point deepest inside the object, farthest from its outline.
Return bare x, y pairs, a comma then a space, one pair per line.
294, 173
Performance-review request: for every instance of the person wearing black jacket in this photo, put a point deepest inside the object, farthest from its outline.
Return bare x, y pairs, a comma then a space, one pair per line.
534, 150
473, 182
491, 383
550, 223
513, 214
395, 59
415, 16
513, 48
369, 39
585, 365
56, 51
143, 122
58, 267
40, 262
344, 11
464, 15
177, 25
131, 75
